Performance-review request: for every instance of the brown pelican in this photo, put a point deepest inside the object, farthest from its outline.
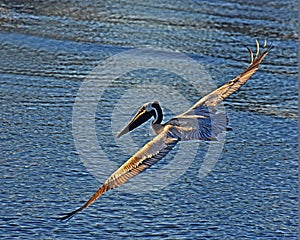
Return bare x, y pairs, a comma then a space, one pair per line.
200, 122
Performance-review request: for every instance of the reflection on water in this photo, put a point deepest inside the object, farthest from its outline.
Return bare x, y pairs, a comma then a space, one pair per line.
48, 48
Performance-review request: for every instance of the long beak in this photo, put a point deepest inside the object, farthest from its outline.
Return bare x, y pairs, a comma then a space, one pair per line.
140, 117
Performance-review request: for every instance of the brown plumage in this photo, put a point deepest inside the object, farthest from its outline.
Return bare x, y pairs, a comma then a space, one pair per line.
199, 122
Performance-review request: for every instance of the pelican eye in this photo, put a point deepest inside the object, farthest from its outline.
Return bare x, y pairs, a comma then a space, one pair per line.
148, 107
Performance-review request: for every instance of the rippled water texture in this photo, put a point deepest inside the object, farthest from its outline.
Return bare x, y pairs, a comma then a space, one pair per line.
47, 50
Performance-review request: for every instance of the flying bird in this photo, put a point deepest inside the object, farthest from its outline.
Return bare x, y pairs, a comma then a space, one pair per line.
201, 122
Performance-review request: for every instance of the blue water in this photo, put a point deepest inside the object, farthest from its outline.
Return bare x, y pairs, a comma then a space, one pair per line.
48, 49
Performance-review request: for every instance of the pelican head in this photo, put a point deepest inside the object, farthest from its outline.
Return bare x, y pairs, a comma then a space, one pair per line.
148, 110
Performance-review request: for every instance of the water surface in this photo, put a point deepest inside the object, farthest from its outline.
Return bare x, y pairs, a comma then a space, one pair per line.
48, 49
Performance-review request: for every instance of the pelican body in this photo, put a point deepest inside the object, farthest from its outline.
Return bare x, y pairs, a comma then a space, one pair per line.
200, 122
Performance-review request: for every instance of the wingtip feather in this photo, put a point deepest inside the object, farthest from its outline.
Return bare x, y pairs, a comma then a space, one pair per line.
68, 216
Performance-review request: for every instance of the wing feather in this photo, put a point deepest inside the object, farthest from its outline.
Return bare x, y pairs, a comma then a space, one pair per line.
218, 95
151, 153
148, 155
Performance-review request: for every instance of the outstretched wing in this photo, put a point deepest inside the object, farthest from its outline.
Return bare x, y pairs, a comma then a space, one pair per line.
218, 95
202, 121
152, 152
